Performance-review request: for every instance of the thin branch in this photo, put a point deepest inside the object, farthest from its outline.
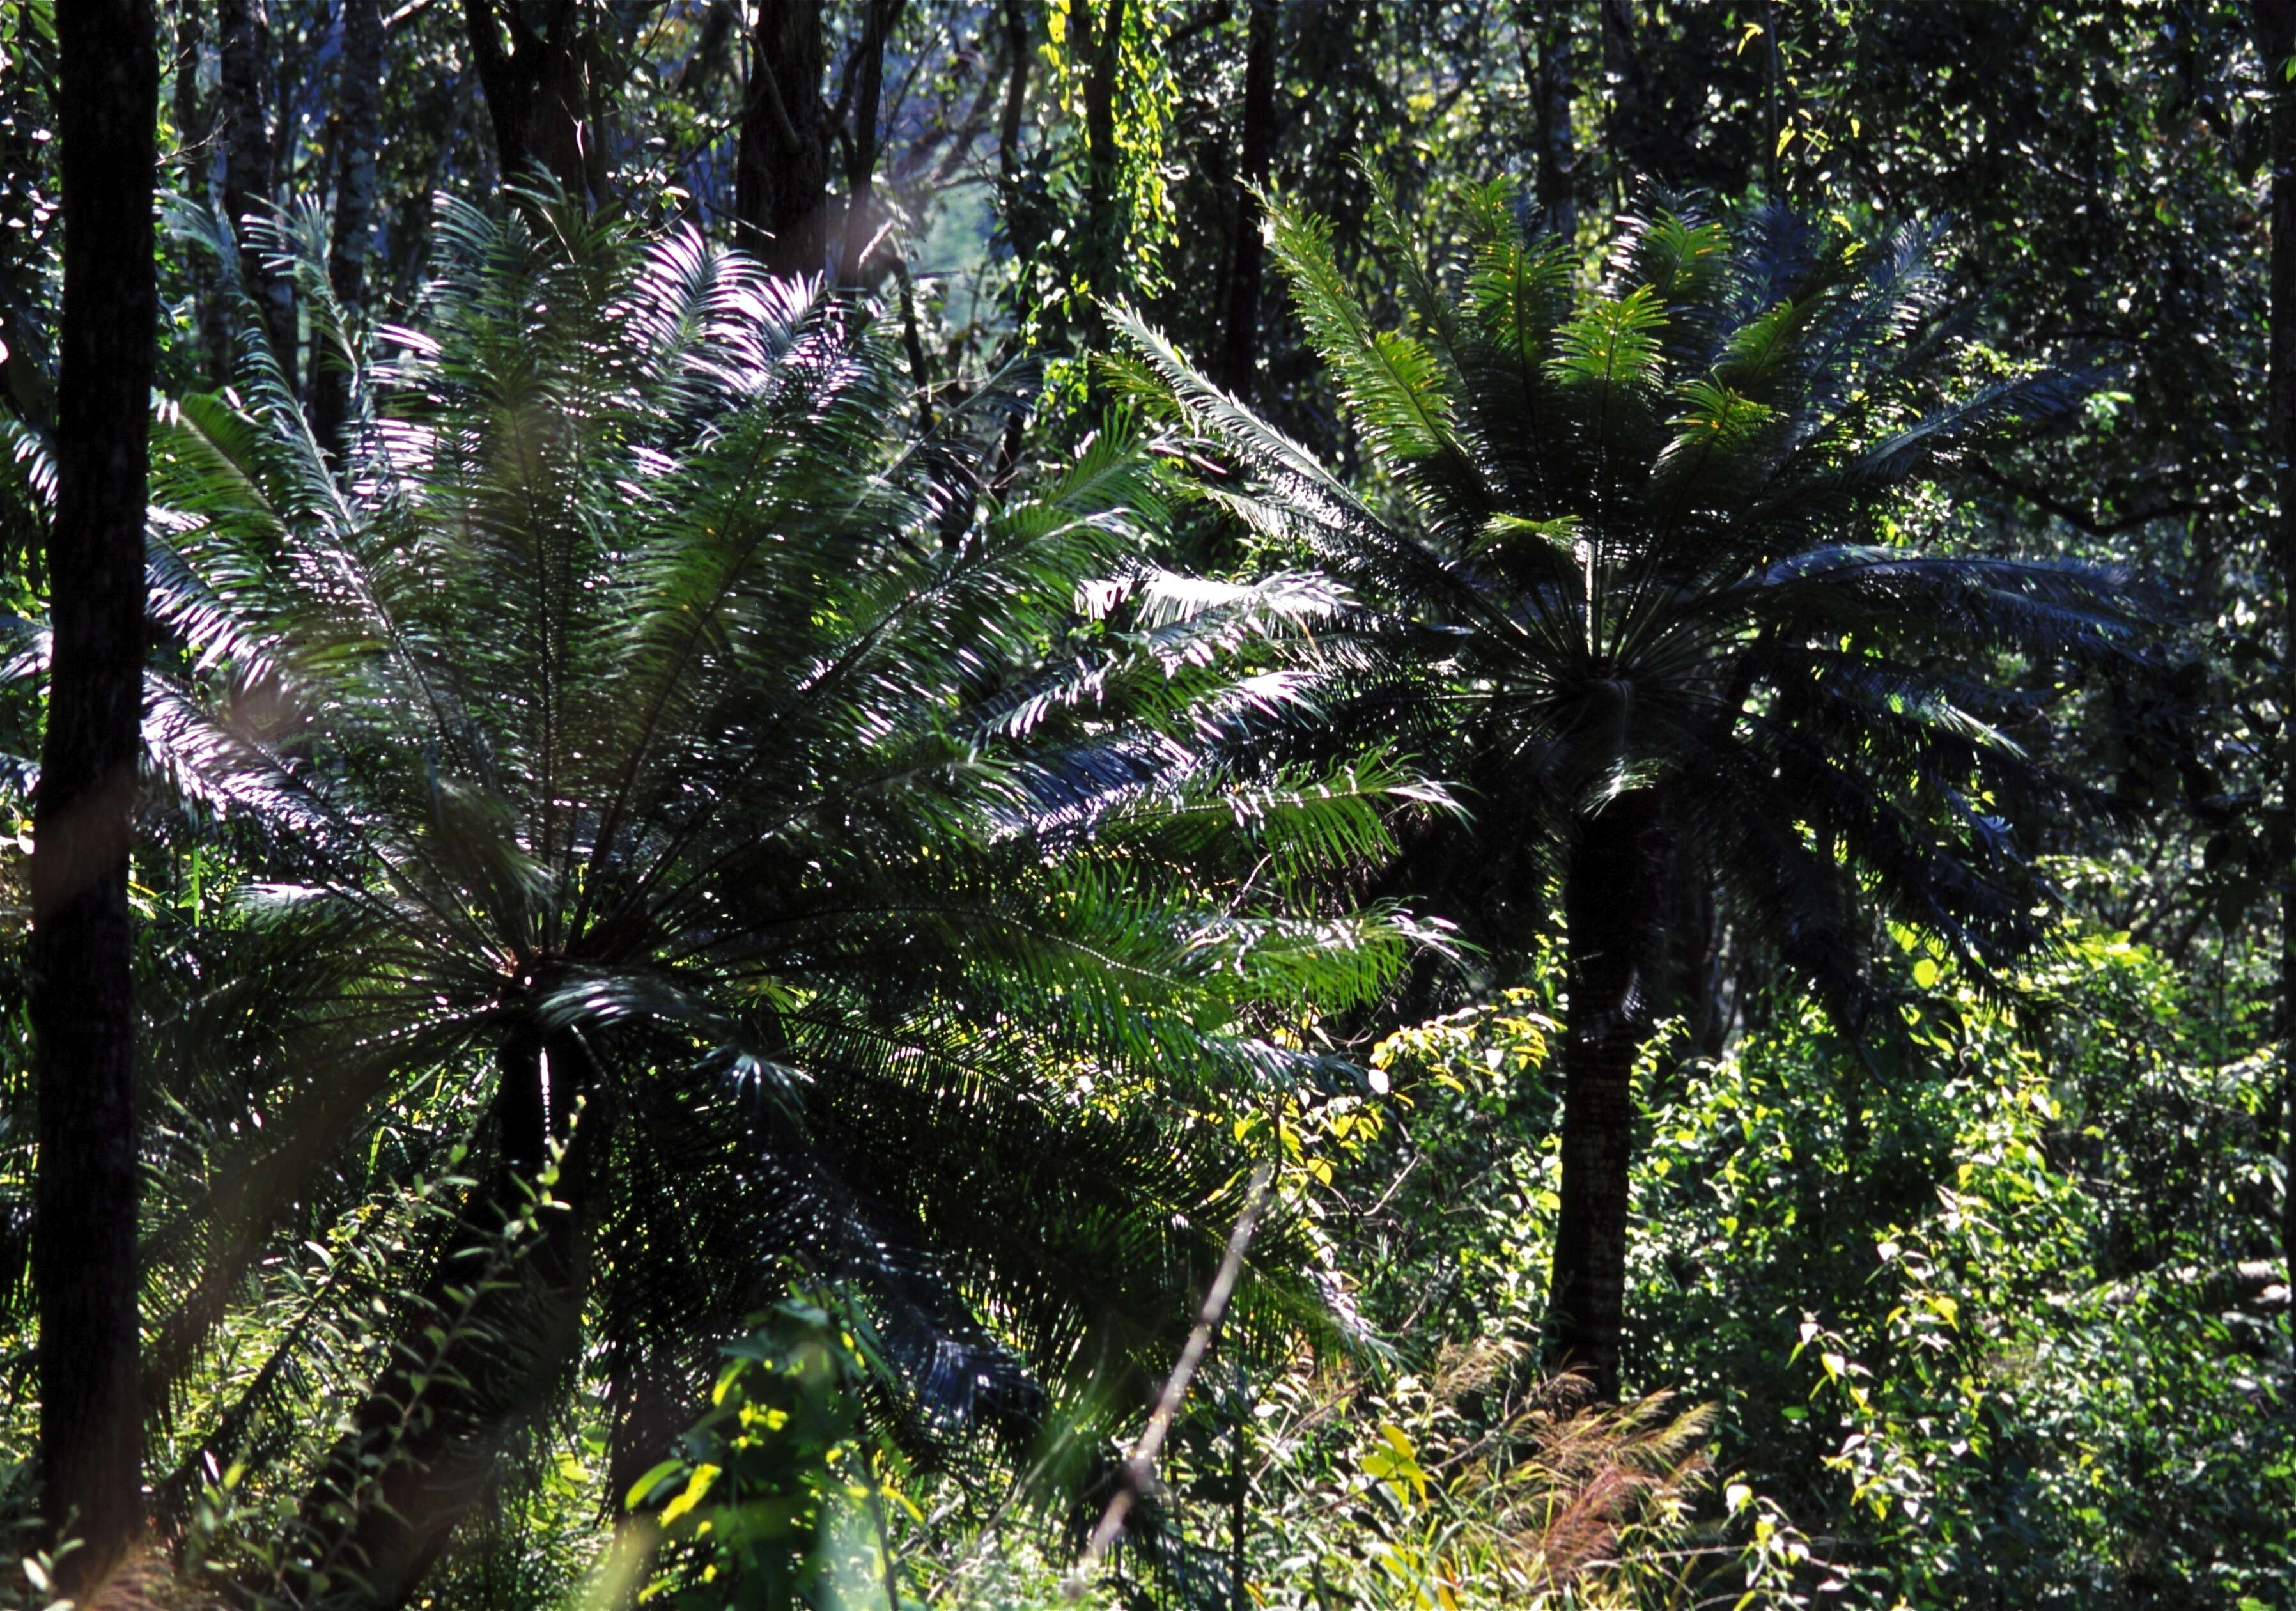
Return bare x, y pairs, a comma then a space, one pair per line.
2084, 519
1140, 1467
1203, 22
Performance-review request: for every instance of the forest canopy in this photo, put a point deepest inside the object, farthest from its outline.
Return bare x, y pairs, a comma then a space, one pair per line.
1408, 804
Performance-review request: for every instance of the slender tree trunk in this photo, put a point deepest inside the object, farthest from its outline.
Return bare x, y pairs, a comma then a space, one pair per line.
429, 1433
1100, 43
1558, 160
1240, 343
1773, 93
2275, 26
1622, 67
1018, 51
84, 1265
780, 163
710, 50
250, 189
536, 81
358, 134
1607, 907
195, 154
861, 166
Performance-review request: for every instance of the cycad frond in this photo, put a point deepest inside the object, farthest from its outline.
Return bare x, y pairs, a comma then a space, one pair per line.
636, 726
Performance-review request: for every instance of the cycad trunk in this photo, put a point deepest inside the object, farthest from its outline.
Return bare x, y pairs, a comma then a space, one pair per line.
1608, 908
427, 1437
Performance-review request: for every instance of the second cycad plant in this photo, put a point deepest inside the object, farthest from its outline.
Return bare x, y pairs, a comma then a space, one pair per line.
1622, 564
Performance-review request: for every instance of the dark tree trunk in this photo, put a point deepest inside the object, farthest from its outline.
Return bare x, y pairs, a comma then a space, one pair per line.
1608, 902
1631, 156
1100, 43
780, 165
358, 134
709, 51
1240, 342
537, 90
2275, 27
861, 165
84, 1266
249, 189
1773, 99
1549, 71
1017, 53
421, 1451
194, 152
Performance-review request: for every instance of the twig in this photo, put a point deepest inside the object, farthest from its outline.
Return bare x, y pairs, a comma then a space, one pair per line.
2087, 521
1141, 1465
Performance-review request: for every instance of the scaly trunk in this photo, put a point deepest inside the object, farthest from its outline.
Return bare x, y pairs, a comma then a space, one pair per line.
424, 1447
1608, 904
781, 164
358, 132
1240, 343
84, 1196
538, 89
243, 33
2275, 28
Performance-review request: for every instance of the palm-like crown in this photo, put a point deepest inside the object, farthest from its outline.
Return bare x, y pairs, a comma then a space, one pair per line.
639, 721
1629, 532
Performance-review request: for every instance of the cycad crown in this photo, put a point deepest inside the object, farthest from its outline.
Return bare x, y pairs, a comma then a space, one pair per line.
638, 721
1636, 534
1631, 581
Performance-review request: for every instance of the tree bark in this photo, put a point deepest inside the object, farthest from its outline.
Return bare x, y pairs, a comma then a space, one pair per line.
1608, 902
1017, 55
1551, 95
193, 154
1631, 157
84, 1196
1240, 342
861, 166
358, 134
2275, 28
780, 163
538, 88
249, 186
1100, 43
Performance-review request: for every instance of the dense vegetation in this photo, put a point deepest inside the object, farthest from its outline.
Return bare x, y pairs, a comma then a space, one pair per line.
981, 803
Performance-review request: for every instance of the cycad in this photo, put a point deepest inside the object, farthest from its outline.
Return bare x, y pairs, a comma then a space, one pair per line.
677, 785
1626, 569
